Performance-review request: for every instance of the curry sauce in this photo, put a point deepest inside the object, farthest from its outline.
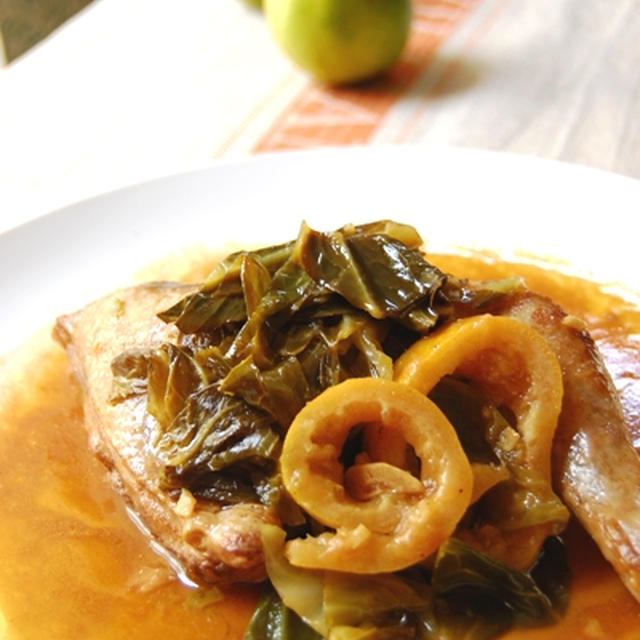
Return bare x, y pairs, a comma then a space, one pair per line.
75, 565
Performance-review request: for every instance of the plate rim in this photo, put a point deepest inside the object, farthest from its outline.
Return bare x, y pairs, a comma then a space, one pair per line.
23, 245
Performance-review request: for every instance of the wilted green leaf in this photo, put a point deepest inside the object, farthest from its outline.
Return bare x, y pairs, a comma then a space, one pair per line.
268, 331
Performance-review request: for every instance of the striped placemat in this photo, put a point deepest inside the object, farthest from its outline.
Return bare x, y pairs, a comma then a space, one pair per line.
321, 116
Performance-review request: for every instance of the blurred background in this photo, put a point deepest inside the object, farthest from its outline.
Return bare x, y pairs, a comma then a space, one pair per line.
24, 23
98, 95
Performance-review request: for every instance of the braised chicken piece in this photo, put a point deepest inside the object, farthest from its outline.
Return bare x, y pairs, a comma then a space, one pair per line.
210, 542
595, 466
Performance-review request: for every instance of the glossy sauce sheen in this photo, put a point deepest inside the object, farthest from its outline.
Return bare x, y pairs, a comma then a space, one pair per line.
74, 566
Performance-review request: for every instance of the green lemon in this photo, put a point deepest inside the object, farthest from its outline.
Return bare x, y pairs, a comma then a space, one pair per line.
340, 41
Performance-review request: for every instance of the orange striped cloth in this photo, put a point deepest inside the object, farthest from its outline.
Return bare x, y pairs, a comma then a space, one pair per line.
321, 116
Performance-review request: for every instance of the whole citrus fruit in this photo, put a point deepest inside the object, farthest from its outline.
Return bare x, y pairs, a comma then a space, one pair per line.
340, 41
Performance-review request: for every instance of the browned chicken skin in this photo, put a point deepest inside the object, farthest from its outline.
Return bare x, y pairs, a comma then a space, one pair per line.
211, 544
596, 468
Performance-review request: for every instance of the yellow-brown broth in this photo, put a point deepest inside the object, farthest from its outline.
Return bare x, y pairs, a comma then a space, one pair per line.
75, 566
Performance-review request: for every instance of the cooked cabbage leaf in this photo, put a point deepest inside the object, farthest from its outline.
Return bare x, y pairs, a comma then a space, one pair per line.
275, 621
376, 268
210, 442
375, 273
526, 498
467, 595
478, 596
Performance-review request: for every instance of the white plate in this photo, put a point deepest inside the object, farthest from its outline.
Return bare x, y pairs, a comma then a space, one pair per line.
455, 197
